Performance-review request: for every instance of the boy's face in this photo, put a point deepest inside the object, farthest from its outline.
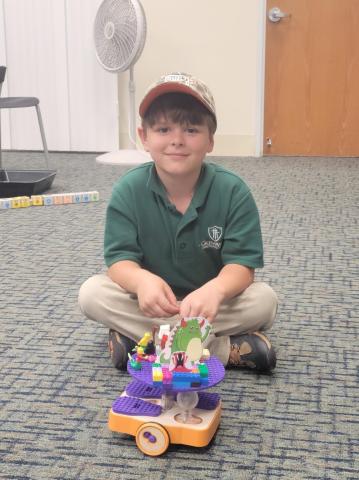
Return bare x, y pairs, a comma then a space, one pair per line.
177, 150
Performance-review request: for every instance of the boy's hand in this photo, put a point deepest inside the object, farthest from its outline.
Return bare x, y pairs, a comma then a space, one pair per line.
156, 298
206, 300
203, 302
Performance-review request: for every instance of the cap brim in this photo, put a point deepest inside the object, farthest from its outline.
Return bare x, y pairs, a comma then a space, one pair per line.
170, 87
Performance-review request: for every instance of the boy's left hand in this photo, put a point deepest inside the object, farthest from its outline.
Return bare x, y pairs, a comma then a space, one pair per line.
203, 302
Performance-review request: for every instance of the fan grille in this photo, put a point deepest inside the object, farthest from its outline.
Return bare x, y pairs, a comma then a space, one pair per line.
120, 32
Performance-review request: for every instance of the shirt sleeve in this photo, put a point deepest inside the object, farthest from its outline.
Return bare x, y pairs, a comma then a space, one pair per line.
121, 233
243, 239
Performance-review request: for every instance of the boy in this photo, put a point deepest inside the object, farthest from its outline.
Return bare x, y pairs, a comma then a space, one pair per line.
182, 238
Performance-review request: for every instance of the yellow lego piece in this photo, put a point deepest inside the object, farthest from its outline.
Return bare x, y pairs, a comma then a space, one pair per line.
157, 375
37, 200
145, 339
25, 202
15, 202
140, 350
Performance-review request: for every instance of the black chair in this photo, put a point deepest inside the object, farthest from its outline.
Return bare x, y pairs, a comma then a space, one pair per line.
23, 182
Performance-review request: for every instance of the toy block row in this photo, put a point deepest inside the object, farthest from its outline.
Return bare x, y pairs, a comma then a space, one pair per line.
65, 198
54, 199
196, 377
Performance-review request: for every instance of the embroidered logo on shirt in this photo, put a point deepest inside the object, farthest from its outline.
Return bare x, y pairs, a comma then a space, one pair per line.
215, 234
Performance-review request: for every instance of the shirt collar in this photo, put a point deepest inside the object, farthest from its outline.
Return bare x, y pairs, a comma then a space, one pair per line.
155, 184
203, 185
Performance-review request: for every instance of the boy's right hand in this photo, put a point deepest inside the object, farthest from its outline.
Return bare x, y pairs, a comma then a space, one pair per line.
155, 297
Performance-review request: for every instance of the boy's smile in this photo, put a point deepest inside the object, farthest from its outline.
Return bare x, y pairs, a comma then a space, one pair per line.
177, 150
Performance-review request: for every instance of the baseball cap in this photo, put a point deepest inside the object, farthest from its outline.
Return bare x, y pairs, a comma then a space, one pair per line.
182, 83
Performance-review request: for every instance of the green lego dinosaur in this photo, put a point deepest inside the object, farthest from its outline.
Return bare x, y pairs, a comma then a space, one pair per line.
186, 337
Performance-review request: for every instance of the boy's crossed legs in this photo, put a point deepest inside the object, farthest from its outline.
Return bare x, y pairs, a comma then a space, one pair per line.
236, 339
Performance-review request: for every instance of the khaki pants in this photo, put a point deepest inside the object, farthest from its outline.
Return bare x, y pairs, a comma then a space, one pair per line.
104, 301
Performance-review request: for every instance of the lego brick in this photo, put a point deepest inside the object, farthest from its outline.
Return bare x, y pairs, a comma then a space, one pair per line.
5, 203
25, 202
157, 375
196, 384
48, 200
58, 199
37, 200
94, 196
68, 198
203, 370
16, 202
180, 385
76, 197
185, 377
85, 197
167, 376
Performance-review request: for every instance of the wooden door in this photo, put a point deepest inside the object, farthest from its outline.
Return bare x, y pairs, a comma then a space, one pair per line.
312, 79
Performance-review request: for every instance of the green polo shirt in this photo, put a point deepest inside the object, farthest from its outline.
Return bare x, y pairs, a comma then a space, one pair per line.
220, 226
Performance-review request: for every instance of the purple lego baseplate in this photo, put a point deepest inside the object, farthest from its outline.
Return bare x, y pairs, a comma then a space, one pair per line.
215, 375
135, 406
142, 390
208, 401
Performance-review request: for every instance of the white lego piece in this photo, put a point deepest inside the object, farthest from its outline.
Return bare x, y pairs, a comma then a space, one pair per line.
85, 197
5, 203
48, 200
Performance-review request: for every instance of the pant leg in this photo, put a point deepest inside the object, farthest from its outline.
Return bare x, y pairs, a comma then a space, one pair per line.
104, 301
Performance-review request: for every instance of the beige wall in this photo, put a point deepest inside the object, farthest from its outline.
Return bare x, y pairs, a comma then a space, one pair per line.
218, 41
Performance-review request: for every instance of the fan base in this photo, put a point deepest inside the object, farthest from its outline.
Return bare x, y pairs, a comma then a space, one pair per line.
124, 157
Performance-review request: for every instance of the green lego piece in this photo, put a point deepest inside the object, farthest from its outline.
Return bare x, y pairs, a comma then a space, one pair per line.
203, 370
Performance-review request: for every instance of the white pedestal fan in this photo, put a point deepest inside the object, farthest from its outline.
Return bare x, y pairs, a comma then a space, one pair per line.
119, 35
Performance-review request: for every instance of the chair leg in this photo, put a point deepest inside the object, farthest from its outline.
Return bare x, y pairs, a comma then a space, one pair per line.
3, 173
46, 153
0, 145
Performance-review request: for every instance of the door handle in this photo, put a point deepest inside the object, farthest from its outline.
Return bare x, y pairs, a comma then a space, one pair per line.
275, 14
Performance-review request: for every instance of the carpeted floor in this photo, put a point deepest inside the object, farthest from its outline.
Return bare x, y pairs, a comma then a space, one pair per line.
56, 380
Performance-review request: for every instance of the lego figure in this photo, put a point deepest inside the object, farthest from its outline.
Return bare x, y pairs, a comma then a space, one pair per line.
145, 339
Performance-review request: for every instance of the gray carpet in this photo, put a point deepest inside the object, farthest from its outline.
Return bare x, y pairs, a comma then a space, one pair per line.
56, 380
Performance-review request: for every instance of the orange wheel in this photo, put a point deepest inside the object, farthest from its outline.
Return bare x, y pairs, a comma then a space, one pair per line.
152, 439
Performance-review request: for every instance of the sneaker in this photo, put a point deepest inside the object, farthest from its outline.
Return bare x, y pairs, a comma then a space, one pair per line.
119, 347
252, 350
